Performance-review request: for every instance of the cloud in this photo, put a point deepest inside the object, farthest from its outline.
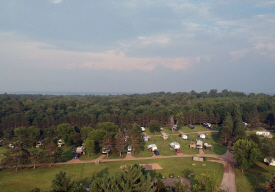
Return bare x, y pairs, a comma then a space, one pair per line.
43, 55
56, 1
158, 39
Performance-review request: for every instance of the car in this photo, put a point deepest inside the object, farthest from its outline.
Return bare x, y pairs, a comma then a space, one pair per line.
76, 156
178, 150
156, 152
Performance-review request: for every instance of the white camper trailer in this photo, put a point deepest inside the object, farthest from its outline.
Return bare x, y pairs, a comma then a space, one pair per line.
105, 150
60, 143
129, 149
185, 137
80, 150
199, 144
152, 147
142, 129
175, 145
39, 143
266, 160
202, 136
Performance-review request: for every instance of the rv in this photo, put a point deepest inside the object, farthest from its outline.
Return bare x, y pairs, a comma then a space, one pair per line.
202, 136
191, 126
105, 150
175, 145
164, 136
207, 125
152, 147
146, 138
129, 149
207, 146
80, 150
266, 160
39, 143
142, 129
59, 143
199, 144
263, 133
185, 137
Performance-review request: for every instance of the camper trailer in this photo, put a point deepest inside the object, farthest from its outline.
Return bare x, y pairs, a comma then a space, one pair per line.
192, 145
266, 160
185, 137
199, 144
142, 129
202, 136
164, 136
39, 143
152, 147
207, 146
191, 126
175, 145
146, 138
105, 150
129, 149
60, 143
80, 150
207, 125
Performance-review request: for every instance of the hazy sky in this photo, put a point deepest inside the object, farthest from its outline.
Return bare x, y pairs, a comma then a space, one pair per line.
137, 45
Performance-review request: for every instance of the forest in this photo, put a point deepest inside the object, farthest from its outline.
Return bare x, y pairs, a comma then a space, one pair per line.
45, 111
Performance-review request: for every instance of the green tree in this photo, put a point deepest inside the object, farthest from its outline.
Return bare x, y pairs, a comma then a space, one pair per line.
154, 126
160, 185
119, 142
246, 153
89, 146
135, 138
206, 184
65, 130
270, 120
14, 156
97, 136
129, 178
22, 134
108, 142
62, 183
108, 127
271, 186
179, 187
32, 135
35, 158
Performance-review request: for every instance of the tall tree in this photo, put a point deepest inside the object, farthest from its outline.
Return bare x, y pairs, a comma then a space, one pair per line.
119, 142
246, 153
108, 142
154, 126
14, 156
32, 135
135, 138
270, 120
89, 146
62, 183
65, 130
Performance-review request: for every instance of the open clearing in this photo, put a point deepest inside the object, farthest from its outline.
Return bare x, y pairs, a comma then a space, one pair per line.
154, 166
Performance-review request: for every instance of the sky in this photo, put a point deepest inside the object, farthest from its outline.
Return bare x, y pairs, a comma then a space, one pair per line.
137, 46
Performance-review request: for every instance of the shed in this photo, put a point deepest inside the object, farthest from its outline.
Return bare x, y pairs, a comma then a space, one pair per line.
196, 158
175, 145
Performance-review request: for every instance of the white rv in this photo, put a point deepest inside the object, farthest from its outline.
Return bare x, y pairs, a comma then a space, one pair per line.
266, 160
152, 147
60, 143
202, 136
129, 149
80, 150
199, 144
105, 150
175, 145
142, 129
185, 137
39, 143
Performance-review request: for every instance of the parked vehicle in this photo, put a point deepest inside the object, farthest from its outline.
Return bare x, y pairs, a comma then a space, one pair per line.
76, 156
156, 152
177, 150
191, 126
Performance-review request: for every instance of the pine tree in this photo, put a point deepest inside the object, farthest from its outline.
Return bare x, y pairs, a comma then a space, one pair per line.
108, 142
119, 142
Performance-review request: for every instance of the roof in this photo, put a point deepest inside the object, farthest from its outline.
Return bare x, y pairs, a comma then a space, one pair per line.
164, 134
199, 142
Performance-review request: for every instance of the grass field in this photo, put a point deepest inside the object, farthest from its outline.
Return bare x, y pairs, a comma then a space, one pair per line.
254, 179
3, 150
27, 178
197, 128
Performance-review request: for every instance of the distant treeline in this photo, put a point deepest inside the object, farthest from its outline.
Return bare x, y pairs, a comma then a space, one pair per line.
44, 111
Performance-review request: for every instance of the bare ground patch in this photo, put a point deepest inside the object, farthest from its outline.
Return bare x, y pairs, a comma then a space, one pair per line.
154, 166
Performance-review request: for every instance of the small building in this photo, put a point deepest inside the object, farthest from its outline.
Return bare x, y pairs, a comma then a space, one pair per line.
191, 126
196, 158
164, 136
266, 160
152, 147
39, 143
146, 138
199, 144
207, 146
80, 150
185, 137
60, 143
263, 133
175, 145
202, 136
142, 129
192, 145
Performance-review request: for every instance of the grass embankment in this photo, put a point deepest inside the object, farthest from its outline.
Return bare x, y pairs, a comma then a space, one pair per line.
28, 178
254, 179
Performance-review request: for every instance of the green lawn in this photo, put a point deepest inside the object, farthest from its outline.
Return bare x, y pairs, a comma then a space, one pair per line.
216, 147
115, 156
165, 129
85, 157
27, 178
254, 179
3, 150
68, 153
197, 128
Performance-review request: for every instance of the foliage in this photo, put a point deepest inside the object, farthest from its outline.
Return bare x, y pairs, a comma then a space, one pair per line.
246, 153
154, 126
129, 178
89, 146
62, 183
206, 184
270, 119
271, 187
119, 142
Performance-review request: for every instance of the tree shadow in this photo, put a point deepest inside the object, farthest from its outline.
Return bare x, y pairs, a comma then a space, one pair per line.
256, 178
103, 172
154, 175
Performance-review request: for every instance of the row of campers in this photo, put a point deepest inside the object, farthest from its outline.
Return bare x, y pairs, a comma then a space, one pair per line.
40, 143
200, 145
